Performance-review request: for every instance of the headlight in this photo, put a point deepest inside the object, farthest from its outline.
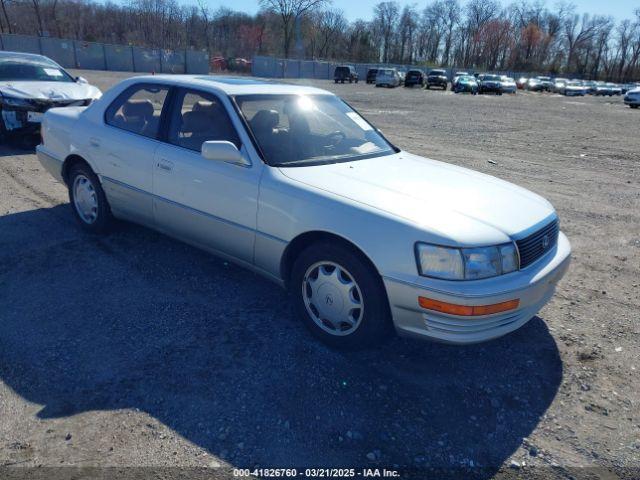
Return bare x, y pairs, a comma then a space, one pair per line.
466, 263
15, 102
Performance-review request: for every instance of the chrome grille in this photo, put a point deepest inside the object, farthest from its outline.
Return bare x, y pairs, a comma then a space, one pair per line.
538, 243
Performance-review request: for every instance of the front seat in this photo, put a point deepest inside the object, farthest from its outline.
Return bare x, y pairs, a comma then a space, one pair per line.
136, 115
196, 128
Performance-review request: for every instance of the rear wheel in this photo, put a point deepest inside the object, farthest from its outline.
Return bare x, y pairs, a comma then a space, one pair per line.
88, 201
340, 297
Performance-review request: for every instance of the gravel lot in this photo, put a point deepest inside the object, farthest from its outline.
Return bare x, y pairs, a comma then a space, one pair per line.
136, 350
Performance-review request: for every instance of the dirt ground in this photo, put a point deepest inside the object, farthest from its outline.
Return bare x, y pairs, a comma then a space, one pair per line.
133, 350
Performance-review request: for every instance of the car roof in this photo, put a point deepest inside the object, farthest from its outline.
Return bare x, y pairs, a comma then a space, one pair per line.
231, 85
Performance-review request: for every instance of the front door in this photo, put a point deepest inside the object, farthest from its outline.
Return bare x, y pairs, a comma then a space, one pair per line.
207, 202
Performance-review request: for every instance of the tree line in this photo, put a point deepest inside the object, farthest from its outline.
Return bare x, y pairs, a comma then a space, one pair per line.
525, 36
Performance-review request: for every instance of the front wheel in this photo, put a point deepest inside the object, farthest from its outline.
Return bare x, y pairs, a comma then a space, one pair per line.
88, 201
340, 297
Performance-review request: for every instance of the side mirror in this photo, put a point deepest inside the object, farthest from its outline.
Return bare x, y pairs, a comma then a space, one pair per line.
82, 80
223, 151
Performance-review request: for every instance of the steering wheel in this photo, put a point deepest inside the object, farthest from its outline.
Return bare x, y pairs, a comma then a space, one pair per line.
335, 138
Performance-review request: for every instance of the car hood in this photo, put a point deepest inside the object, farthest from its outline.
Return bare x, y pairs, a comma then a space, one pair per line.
49, 90
454, 204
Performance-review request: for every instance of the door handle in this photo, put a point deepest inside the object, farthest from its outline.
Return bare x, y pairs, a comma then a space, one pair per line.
165, 165
94, 142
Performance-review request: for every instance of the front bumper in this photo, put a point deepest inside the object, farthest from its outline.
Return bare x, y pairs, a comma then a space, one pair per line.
437, 83
20, 121
491, 88
533, 286
460, 88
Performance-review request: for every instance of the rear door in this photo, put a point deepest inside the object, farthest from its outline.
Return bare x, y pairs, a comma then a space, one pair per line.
126, 146
210, 203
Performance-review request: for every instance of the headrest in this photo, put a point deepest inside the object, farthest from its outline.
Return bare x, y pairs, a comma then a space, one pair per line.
138, 108
196, 122
265, 120
203, 106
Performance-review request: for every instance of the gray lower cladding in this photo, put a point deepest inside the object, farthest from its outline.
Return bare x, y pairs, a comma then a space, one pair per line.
51, 165
239, 243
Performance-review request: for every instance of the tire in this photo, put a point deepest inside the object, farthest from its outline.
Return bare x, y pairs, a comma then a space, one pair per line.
428, 87
363, 326
85, 188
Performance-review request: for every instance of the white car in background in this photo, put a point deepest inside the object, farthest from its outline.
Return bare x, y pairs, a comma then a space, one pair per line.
294, 184
388, 77
574, 88
559, 84
508, 84
632, 98
32, 84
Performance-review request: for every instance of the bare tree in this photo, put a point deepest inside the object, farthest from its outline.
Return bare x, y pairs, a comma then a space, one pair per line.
385, 21
290, 12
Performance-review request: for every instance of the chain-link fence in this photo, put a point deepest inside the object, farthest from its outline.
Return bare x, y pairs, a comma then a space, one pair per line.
100, 56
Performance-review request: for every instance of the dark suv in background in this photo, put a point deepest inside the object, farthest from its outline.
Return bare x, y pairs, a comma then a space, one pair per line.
345, 74
437, 78
371, 75
414, 77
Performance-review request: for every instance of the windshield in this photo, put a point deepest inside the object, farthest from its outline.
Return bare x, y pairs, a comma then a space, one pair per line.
13, 70
491, 77
294, 130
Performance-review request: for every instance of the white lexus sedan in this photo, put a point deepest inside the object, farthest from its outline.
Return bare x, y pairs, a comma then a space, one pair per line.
30, 85
293, 183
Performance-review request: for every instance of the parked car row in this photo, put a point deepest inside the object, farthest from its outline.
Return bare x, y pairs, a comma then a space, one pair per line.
464, 82
574, 87
438, 79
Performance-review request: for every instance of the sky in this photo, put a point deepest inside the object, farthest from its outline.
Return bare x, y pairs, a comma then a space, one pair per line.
355, 9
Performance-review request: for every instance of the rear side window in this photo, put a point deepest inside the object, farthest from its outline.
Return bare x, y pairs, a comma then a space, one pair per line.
138, 109
199, 117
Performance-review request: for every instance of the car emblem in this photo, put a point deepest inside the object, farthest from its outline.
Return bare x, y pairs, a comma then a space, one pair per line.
328, 300
545, 242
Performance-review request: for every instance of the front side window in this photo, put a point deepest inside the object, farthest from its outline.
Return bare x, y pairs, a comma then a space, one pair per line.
199, 117
294, 130
138, 109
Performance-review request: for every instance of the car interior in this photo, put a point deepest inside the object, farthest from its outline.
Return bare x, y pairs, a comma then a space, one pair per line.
287, 133
138, 116
201, 120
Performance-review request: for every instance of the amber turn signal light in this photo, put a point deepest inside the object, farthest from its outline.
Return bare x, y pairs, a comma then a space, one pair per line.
467, 310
